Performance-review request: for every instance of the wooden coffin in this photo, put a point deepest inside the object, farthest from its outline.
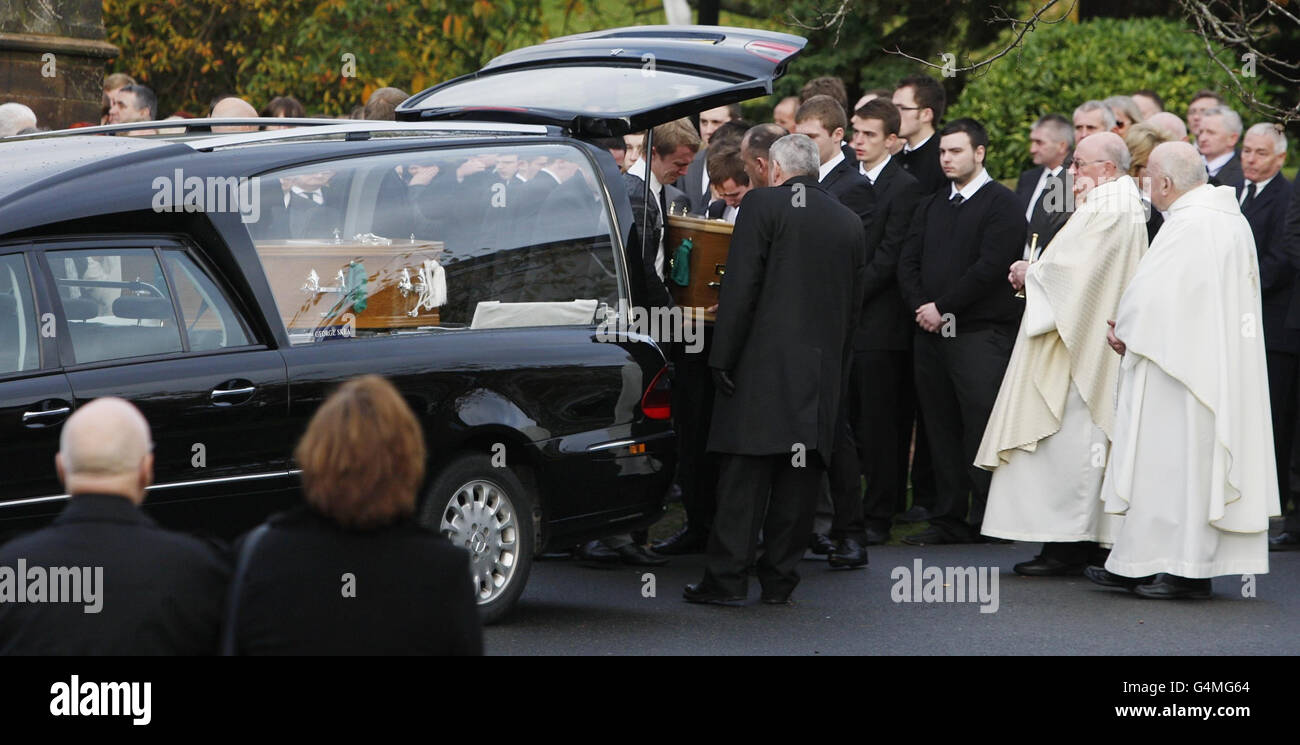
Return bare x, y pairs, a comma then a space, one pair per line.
708, 263
311, 294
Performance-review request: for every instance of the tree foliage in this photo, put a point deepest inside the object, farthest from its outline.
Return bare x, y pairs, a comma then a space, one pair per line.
1058, 67
191, 50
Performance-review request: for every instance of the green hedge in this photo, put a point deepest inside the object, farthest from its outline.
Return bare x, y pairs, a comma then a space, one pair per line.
1060, 66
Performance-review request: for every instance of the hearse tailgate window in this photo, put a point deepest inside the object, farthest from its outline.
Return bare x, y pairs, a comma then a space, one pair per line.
437, 241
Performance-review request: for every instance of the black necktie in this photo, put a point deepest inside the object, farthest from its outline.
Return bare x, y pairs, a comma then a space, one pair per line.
957, 199
1250, 195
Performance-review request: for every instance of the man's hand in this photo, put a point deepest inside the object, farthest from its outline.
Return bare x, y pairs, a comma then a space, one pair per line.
1113, 340
1017, 275
928, 318
421, 175
470, 166
722, 382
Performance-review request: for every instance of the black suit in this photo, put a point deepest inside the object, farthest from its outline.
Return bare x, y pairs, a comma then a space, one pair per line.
1230, 174
853, 190
1049, 213
411, 592
1265, 210
786, 314
881, 400
923, 164
161, 592
716, 209
957, 257
697, 198
656, 292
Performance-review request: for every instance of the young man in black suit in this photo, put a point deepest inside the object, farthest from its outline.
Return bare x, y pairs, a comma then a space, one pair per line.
674, 147
953, 274
1042, 190
822, 119
1264, 197
781, 345
921, 101
881, 395
165, 590
697, 180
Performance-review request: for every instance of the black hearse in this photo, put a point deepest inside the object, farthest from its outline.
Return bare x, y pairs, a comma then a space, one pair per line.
226, 281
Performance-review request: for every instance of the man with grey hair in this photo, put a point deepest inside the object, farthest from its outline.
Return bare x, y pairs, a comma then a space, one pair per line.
1042, 189
1092, 117
14, 118
1217, 140
143, 590
781, 348
1191, 465
1264, 196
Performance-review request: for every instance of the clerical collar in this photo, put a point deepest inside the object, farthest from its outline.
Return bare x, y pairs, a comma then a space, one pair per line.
970, 188
829, 165
874, 173
907, 147
1214, 166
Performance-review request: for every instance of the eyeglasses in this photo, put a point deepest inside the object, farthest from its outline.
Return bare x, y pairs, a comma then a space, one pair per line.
909, 108
1077, 164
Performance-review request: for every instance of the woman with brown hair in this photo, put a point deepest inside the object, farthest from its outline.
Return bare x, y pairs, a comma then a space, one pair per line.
350, 572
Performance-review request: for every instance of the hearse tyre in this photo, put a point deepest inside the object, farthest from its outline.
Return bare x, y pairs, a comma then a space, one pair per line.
488, 511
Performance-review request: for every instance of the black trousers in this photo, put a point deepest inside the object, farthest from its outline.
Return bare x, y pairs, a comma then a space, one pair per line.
957, 381
747, 486
697, 469
873, 441
1282, 392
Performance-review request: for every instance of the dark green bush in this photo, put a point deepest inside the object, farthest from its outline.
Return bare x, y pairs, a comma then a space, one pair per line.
1060, 66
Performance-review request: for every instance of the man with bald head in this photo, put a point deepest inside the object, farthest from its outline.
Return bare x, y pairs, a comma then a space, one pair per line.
1047, 436
1191, 458
1170, 124
143, 589
231, 107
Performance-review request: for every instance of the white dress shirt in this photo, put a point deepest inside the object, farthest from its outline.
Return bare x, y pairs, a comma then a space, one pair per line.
874, 173
829, 165
970, 188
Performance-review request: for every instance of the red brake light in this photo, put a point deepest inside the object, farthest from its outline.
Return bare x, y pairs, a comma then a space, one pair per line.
770, 50
657, 403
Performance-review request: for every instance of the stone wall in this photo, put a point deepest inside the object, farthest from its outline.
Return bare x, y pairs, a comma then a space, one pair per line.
52, 58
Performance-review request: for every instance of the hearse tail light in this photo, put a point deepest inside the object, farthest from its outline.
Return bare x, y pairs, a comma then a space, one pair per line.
657, 403
770, 50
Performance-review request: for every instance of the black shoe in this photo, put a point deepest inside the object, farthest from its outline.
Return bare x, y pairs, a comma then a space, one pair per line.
1173, 587
915, 514
594, 551
1043, 566
684, 541
935, 537
639, 556
1284, 541
821, 544
877, 536
1107, 579
994, 539
775, 599
849, 554
702, 593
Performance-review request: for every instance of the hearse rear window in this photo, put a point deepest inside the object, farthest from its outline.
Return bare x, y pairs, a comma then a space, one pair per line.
434, 241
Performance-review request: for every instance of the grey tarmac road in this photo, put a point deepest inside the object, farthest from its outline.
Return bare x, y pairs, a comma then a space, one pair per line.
573, 609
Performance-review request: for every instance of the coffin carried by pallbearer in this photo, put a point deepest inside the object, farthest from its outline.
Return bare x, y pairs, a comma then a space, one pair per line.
697, 253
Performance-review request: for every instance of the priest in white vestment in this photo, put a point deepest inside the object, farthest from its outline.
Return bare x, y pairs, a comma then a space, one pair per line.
1047, 439
1191, 464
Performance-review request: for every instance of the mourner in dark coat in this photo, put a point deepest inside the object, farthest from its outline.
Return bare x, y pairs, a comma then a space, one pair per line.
781, 347
115, 583
350, 573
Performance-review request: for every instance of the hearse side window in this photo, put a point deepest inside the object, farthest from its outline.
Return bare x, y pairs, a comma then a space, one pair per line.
210, 321
434, 241
19, 328
116, 303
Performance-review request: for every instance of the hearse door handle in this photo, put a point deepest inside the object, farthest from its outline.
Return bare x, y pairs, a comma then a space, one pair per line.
225, 396
40, 418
